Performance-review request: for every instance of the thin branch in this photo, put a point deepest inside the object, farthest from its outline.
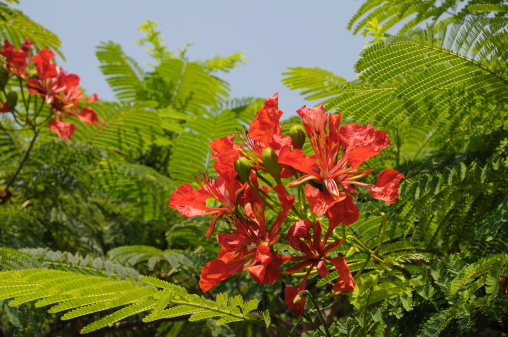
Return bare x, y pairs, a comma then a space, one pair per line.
13, 178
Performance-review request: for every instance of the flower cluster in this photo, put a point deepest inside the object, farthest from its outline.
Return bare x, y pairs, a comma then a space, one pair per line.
327, 178
58, 89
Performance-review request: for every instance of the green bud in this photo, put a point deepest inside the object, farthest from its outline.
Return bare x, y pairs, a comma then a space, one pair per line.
4, 78
243, 168
12, 99
297, 134
33, 74
271, 162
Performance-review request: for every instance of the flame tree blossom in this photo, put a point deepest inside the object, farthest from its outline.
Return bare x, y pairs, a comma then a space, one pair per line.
58, 89
329, 176
338, 151
250, 231
266, 132
16, 61
314, 252
190, 202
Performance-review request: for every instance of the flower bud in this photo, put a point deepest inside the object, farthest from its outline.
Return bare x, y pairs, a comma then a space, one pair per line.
4, 78
297, 134
243, 168
33, 75
271, 162
12, 99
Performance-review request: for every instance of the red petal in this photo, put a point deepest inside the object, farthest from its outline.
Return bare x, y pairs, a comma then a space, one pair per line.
42, 63
223, 145
332, 246
299, 266
286, 201
93, 98
317, 236
234, 240
314, 119
87, 115
266, 270
5, 107
363, 141
297, 159
62, 129
357, 156
225, 164
46, 54
278, 142
387, 186
266, 123
345, 212
188, 201
34, 87
334, 123
290, 294
212, 274
320, 202
346, 281
70, 81
299, 230
322, 270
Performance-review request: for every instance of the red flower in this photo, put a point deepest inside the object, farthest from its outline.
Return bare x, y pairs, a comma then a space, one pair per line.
4, 107
225, 153
93, 98
346, 281
87, 115
190, 202
314, 255
387, 186
266, 132
337, 154
263, 264
49, 86
62, 129
290, 294
17, 60
228, 263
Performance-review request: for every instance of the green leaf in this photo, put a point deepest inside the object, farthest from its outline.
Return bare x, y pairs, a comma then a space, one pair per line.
122, 72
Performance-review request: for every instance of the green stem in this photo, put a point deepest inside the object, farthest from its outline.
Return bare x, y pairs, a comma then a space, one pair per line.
13, 178
261, 197
237, 197
327, 332
23, 93
363, 266
296, 325
311, 321
383, 232
266, 181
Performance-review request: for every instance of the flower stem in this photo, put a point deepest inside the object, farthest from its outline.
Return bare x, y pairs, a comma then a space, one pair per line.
311, 321
256, 191
383, 232
266, 181
296, 325
367, 260
13, 178
327, 332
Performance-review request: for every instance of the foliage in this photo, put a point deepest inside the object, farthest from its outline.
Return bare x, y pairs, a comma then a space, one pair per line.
411, 13
86, 231
16, 27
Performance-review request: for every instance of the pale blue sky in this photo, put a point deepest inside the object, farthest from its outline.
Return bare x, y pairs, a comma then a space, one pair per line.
273, 34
